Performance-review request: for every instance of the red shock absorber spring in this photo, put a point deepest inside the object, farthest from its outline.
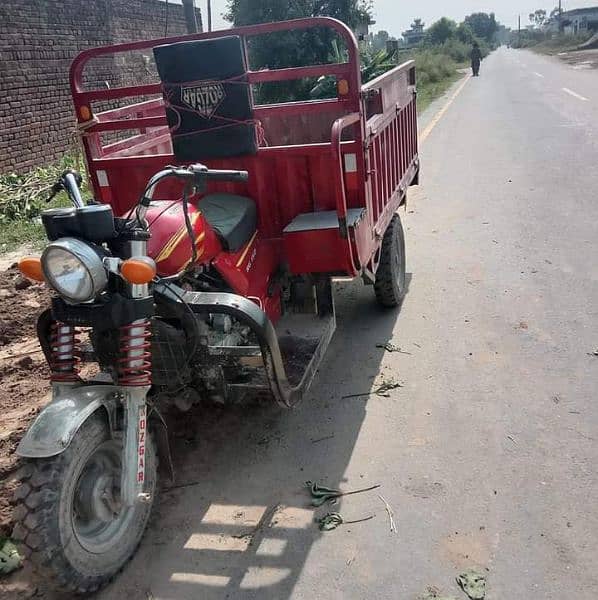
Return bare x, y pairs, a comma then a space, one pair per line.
135, 361
64, 359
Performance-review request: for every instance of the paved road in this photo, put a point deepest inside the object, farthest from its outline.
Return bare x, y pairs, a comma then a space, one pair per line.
488, 453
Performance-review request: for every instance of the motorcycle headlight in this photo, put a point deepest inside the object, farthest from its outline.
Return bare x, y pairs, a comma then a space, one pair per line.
74, 269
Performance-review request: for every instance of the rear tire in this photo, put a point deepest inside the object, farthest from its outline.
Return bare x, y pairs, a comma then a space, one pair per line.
68, 517
390, 285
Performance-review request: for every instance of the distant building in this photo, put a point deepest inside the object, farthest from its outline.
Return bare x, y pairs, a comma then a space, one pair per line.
416, 34
579, 20
362, 30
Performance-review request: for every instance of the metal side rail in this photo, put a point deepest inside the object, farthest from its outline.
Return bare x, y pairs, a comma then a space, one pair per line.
249, 314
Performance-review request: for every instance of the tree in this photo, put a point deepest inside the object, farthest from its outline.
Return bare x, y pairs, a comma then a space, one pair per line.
379, 40
292, 48
248, 12
441, 31
465, 33
483, 25
538, 18
417, 25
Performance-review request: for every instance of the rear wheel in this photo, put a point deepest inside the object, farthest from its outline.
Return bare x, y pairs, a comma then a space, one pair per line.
70, 520
390, 285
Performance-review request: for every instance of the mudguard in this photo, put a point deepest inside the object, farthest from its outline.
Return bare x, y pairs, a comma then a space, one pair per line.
56, 425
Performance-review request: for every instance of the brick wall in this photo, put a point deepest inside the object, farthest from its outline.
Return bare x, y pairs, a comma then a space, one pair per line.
38, 40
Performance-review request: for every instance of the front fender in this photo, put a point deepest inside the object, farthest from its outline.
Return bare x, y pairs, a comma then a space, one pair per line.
56, 425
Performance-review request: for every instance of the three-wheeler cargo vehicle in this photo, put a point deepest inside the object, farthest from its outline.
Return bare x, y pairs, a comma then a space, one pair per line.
202, 268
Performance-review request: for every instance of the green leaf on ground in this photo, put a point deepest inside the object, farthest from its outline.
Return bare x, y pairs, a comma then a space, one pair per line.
473, 583
330, 521
10, 559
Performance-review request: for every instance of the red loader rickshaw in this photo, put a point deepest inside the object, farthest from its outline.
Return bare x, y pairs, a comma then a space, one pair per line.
202, 269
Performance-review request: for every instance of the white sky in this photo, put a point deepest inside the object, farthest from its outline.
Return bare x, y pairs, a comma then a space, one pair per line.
396, 15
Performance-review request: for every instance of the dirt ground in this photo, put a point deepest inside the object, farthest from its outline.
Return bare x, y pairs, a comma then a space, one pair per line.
23, 375
581, 59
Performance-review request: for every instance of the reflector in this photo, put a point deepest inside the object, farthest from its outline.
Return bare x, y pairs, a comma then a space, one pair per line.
138, 270
31, 267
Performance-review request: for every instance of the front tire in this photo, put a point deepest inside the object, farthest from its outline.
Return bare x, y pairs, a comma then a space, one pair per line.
390, 286
68, 516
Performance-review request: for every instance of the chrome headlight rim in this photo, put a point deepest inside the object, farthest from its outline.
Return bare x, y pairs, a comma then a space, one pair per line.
89, 259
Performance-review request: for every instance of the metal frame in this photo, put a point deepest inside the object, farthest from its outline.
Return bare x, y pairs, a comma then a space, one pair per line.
381, 112
248, 313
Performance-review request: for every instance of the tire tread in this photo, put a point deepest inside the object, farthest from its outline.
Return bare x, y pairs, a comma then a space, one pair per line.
37, 532
384, 286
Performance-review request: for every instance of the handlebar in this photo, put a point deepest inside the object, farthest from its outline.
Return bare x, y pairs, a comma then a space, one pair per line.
223, 175
69, 181
196, 174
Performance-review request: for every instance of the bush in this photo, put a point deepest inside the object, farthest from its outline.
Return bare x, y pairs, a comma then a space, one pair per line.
457, 50
433, 67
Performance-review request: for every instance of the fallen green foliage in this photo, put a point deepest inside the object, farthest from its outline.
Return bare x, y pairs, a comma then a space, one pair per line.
473, 584
22, 198
23, 195
10, 559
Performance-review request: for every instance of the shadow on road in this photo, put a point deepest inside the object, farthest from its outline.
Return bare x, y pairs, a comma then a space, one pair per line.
238, 522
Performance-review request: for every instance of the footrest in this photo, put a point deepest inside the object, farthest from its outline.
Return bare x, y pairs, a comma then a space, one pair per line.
327, 219
313, 243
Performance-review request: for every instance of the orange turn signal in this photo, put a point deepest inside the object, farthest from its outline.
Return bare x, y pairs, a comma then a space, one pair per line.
343, 87
85, 113
138, 270
31, 267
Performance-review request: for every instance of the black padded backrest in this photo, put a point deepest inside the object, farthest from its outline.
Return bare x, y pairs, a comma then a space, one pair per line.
208, 100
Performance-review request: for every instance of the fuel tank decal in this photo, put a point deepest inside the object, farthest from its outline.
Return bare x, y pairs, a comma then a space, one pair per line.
177, 238
200, 251
244, 255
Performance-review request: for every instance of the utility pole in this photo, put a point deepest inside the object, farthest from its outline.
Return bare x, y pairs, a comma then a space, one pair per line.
560, 13
209, 15
189, 8
519, 30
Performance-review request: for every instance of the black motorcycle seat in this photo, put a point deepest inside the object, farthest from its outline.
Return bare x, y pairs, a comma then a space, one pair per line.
233, 218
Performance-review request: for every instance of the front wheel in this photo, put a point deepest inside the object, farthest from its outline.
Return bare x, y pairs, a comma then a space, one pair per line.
390, 284
69, 518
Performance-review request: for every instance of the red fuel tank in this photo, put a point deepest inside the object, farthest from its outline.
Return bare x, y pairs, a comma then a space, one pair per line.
170, 245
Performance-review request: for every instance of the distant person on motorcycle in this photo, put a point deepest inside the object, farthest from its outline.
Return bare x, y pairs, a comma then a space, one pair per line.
476, 59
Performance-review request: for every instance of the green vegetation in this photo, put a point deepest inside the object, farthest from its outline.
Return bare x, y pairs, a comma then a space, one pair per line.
443, 49
293, 48
19, 233
436, 72
546, 43
23, 197
446, 48
547, 34
561, 43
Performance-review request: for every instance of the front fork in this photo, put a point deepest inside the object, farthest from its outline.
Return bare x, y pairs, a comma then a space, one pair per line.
134, 370
134, 445
134, 381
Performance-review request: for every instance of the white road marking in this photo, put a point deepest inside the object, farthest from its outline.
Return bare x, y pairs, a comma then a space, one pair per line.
575, 94
428, 130
538, 75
